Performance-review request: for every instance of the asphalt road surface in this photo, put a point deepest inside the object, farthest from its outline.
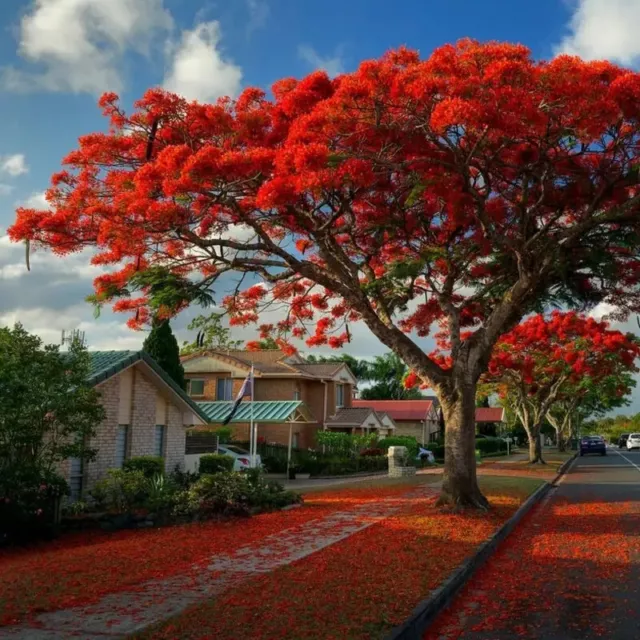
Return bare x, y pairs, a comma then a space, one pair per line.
570, 570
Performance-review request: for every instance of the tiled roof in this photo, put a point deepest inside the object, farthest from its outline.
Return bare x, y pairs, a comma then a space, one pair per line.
351, 416
274, 411
272, 361
320, 369
414, 410
105, 364
489, 414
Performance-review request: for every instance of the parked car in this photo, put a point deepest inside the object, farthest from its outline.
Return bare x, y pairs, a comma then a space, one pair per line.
593, 444
242, 457
425, 454
633, 441
622, 440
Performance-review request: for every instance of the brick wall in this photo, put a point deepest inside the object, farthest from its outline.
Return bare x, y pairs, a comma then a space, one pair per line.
210, 384
142, 422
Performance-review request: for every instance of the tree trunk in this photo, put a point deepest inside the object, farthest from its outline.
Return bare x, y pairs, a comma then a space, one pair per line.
460, 484
535, 446
562, 442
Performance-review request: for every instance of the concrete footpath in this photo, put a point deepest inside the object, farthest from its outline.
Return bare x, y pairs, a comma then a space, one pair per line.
120, 614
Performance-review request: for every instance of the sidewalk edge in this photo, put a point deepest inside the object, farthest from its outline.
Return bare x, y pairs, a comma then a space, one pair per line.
414, 627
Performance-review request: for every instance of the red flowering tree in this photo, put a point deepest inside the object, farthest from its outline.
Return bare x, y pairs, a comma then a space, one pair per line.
464, 189
560, 360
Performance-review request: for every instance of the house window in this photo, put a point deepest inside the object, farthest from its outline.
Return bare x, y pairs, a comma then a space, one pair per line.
76, 478
224, 389
121, 445
196, 387
339, 396
294, 441
296, 394
160, 437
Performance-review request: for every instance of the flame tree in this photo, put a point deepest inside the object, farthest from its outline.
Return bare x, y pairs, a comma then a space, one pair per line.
468, 188
564, 362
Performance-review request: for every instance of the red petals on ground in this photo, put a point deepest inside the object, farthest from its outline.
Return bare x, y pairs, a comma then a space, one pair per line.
562, 567
80, 568
360, 587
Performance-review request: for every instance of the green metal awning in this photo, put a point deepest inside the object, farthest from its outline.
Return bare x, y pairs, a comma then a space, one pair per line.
272, 411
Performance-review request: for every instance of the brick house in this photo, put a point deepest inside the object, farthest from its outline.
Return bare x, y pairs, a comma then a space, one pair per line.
362, 421
418, 418
324, 388
146, 414
421, 418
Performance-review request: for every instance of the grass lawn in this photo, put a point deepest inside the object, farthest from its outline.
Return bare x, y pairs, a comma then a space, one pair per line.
360, 587
554, 460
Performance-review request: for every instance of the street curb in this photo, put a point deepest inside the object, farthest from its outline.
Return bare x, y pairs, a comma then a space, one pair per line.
414, 627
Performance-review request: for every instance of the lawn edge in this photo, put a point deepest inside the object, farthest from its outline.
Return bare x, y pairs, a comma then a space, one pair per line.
414, 627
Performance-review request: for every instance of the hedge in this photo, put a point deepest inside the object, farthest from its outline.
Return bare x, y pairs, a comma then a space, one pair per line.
216, 463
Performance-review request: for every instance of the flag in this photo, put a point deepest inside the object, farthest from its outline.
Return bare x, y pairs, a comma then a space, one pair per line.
245, 390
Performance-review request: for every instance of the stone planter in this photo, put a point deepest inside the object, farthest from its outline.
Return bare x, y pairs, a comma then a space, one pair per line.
398, 467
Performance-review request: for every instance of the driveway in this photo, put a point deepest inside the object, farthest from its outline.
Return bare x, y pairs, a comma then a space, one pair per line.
570, 571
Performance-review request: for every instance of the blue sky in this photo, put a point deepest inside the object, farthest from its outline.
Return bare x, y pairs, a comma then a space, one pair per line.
56, 56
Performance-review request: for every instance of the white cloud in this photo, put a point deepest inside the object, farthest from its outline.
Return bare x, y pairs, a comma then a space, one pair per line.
78, 45
36, 201
601, 310
14, 165
604, 29
333, 65
198, 69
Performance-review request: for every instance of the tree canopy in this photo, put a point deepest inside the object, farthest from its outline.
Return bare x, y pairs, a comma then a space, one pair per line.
49, 412
163, 347
212, 334
466, 189
564, 359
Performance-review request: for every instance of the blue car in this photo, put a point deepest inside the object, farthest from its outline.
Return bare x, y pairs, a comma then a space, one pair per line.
593, 444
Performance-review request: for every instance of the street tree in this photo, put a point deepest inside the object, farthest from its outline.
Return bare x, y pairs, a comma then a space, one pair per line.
545, 360
468, 189
589, 399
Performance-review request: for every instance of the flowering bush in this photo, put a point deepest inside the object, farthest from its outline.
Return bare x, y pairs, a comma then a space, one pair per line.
120, 491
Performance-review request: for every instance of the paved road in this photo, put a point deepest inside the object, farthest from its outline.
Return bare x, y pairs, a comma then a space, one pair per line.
570, 571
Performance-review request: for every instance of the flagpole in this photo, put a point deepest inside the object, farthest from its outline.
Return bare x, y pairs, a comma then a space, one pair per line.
252, 439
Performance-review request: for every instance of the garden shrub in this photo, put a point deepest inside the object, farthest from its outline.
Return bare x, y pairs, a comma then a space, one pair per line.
275, 464
121, 491
184, 479
490, 445
216, 463
161, 493
149, 465
373, 451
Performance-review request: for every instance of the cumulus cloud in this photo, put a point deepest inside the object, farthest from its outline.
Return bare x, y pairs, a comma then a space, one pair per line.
14, 165
36, 200
604, 29
198, 69
333, 65
78, 45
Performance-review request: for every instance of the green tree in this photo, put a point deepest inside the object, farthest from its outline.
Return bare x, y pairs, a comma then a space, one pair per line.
48, 414
162, 346
212, 334
388, 373
361, 369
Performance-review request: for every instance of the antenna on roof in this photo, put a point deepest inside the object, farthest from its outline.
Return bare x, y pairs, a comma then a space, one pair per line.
70, 337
